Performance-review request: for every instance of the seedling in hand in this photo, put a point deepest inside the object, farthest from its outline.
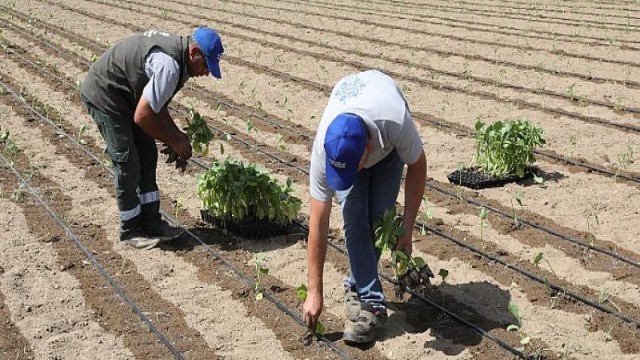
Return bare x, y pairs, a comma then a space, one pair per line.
198, 133
409, 272
301, 294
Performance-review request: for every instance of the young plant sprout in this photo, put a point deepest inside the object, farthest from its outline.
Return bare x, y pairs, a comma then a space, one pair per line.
484, 213
517, 196
547, 285
409, 272
443, 274
524, 337
261, 269
591, 227
427, 214
301, 294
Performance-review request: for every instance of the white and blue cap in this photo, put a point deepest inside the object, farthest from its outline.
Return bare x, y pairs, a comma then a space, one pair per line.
210, 44
344, 145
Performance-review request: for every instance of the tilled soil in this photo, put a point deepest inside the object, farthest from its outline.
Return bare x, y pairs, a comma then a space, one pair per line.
68, 289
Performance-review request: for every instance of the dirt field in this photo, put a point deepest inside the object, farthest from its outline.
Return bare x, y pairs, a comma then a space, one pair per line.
69, 290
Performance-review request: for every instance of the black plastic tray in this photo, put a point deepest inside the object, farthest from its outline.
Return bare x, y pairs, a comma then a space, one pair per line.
260, 229
475, 179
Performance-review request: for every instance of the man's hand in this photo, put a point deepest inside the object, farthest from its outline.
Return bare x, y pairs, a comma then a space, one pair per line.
312, 308
182, 147
405, 242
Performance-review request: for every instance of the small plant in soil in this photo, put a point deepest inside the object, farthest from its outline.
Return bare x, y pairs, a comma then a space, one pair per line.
506, 146
625, 158
261, 269
239, 192
517, 197
547, 285
409, 272
530, 351
426, 215
483, 214
603, 297
592, 225
301, 294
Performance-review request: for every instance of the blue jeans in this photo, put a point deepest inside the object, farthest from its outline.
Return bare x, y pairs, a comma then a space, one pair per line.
374, 191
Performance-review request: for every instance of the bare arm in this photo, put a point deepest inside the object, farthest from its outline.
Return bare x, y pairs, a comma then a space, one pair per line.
316, 253
161, 126
413, 190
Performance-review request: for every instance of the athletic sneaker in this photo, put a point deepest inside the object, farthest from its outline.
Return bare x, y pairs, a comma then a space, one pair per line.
351, 304
367, 326
164, 232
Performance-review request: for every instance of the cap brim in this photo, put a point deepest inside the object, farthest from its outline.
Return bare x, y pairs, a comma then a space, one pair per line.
342, 179
214, 68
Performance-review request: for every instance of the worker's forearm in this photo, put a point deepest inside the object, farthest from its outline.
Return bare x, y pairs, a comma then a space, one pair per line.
317, 244
414, 190
159, 126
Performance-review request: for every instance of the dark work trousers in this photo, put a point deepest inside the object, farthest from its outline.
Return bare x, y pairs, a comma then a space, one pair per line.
134, 156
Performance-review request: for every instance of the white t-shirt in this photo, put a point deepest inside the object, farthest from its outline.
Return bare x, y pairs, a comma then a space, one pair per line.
378, 100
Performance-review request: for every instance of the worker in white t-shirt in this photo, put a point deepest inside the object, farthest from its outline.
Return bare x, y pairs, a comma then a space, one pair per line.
364, 139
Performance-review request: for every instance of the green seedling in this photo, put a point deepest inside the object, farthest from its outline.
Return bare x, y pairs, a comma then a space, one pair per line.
83, 129
198, 132
301, 294
547, 285
281, 146
459, 190
524, 337
603, 297
483, 214
517, 196
571, 149
592, 226
261, 269
426, 215
625, 158
250, 125
570, 92
443, 274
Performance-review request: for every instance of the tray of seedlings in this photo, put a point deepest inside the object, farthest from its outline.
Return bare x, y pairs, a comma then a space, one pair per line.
504, 154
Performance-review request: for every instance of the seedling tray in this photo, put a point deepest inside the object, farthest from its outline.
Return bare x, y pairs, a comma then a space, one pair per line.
475, 179
260, 229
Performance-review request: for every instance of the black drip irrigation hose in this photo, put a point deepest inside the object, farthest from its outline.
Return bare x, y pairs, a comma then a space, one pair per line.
456, 128
239, 272
531, 276
542, 228
112, 282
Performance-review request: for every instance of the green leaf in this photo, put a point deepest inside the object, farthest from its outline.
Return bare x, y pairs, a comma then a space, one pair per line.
525, 340
419, 262
513, 327
320, 330
301, 292
263, 271
443, 273
537, 258
259, 295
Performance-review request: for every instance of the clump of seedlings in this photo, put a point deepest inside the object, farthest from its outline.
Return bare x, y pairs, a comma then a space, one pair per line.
238, 192
199, 136
506, 147
409, 272
301, 294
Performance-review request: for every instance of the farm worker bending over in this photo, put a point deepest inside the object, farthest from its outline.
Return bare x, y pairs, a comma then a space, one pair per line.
127, 92
364, 138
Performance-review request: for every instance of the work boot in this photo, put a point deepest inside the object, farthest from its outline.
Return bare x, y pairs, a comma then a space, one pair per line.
140, 240
351, 304
164, 232
367, 326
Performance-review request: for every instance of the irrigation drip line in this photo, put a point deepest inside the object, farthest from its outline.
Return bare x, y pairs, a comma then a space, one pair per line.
112, 282
248, 280
453, 37
543, 228
415, 5
290, 164
540, 19
531, 276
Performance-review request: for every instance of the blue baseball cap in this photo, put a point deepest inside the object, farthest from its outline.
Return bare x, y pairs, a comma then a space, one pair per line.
210, 44
344, 145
